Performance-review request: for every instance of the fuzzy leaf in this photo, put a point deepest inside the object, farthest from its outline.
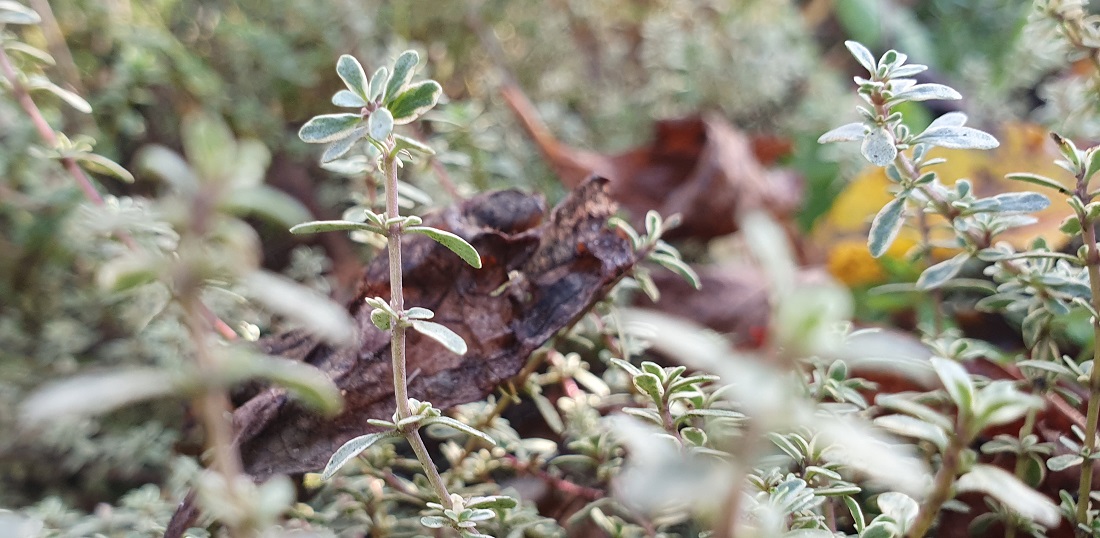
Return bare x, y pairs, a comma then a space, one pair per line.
899, 507
304, 381
411, 145
957, 138
348, 98
677, 266
1008, 489
338, 148
885, 226
93, 394
102, 165
414, 101
844, 133
936, 275
1063, 462
926, 92
328, 127
957, 382
951, 119
318, 226
453, 242
380, 124
350, 450
417, 312
313, 311
378, 83
862, 55
462, 427
351, 72
879, 147
440, 333
1036, 179
403, 70
913, 427
12, 12
272, 204
1012, 202
72, 99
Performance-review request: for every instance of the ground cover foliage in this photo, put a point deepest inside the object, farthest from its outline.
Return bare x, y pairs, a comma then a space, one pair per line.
567, 268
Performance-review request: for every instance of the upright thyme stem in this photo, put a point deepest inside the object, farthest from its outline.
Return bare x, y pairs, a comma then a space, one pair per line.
1088, 227
214, 407
941, 485
397, 336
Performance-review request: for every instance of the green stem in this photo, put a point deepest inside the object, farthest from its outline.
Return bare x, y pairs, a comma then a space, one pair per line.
397, 335
1093, 266
942, 485
215, 411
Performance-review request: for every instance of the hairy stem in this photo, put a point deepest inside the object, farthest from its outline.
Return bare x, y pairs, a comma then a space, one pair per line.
215, 411
1093, 264
942, 485
397, 335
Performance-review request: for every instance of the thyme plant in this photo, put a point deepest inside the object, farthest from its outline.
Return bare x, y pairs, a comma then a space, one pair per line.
973, 224
387, 99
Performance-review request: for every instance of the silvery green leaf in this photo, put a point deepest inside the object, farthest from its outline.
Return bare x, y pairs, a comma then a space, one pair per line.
381, 319
1036, 179
348, 98
462, 427
453, 242
33, 52
303, 306
677, 266
328, 127
936, 275
880, 529
350, 450
414, 101
899, 507
168, 166
957, 138
380, 124
417, 312
926, 92
1009, 490
72, 99
908, 70
337, 149
879, 147
1064, 461
406, 143
102, 165
403, 70
351, 72
304, 381
651, 385
378, 83
1012, 202
951, 119
913, 427
885, 226
318, 226
862, 55
492, 502
93, 394
448, 338
957, 382
844, 133
12, 12
267, 202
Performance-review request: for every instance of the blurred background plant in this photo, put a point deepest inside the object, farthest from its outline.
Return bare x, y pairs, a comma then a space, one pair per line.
228, 84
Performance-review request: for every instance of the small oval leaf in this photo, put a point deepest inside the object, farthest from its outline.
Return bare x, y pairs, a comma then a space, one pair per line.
440, 333
403, 70
328, 127
844, 133
885, 226
414, 101
350, 450
878, 147
936, 275
380, 124
351, 72
957, 138
455, 243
